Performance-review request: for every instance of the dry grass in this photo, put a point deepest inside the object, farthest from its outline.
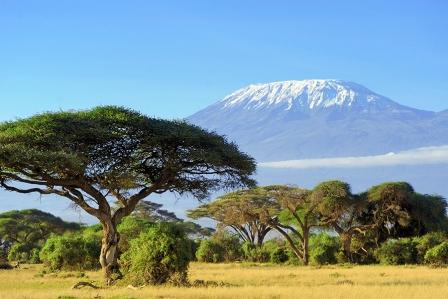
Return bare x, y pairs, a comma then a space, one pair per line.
247, 281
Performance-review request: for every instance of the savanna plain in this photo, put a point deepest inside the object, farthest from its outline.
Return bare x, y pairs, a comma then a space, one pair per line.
243, 280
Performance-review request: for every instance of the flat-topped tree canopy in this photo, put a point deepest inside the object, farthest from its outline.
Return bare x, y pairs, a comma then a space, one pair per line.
252, 213
89, 156
245, 211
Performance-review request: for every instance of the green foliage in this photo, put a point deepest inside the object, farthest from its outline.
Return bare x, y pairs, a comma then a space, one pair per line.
324, 249
279, 255
106, 145
221, 247
333, 198
254, 253
158, 255
27, 231
210, 252
397, 252
72, 252
230, 243
130, 228
428, 214
24, 253
437, 255
428, 241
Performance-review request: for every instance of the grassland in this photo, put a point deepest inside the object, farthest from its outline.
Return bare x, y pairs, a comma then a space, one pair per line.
245, 281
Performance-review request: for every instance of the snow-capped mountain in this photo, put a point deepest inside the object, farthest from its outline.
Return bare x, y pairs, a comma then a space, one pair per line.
306, 95
320, 118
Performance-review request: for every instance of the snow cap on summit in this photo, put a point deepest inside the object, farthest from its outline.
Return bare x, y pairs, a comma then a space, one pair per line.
308, 94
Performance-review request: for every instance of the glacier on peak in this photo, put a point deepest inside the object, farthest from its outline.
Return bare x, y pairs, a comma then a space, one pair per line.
303, 94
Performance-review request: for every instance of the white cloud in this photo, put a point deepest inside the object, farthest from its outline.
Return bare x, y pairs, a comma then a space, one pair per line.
420, 156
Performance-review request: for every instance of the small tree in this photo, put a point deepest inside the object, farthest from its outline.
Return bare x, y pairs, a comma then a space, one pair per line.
92, 157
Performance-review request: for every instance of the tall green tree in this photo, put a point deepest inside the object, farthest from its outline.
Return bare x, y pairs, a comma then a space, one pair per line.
111, 153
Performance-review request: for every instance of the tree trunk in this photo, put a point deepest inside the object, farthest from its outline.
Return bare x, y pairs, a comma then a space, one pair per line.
294, 248
305, 247
109, 252
346, 240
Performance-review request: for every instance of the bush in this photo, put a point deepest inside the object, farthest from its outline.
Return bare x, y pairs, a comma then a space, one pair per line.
24, 253
221, 247
72, 252
427, 242
4, 265
258, 254
230, 244
130, 228
397, 252
324, 249
279, 255
437, 255
210, 252
158, 255
362, 249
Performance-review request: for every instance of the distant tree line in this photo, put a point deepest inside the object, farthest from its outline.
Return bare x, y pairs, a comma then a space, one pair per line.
389, 223
362, 225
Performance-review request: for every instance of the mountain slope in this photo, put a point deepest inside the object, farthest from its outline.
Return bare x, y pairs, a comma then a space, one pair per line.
320, 118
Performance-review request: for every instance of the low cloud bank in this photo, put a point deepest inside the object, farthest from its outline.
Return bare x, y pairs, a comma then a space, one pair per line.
420, 156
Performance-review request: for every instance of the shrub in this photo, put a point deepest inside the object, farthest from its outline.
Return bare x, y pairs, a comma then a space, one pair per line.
130, 228
324, 249
24, 253
158, 255
19, 252
437, 255
230, 244
253, 253
221, 247
279, 255
427, 242
4, 265
397, 252
210, 252
71, 252
363, 248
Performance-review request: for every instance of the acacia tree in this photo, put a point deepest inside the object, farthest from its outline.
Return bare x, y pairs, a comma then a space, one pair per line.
243, 211
32, 226
153, 212
381, 207
111, 153
298, 216
254, 212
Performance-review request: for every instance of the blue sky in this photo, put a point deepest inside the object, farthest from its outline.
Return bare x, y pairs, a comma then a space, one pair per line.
172, 58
